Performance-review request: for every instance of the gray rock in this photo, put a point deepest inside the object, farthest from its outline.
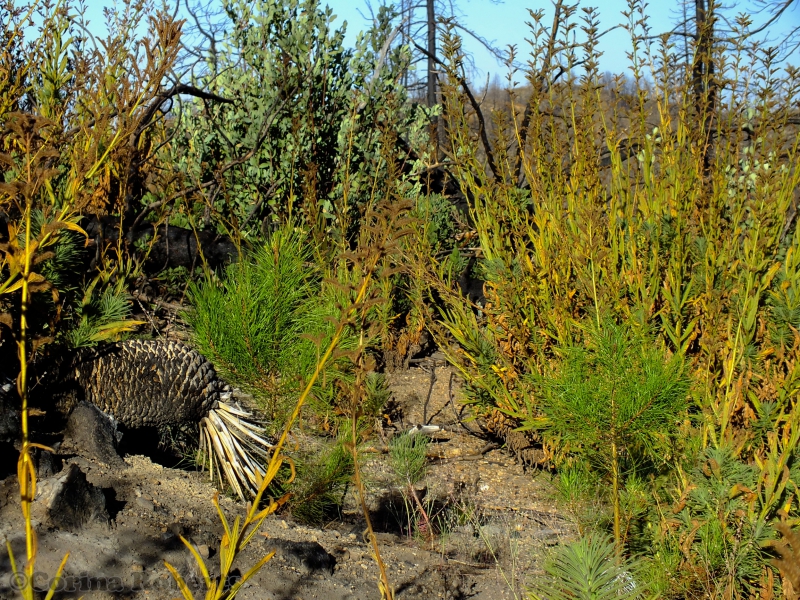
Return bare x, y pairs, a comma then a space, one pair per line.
145, 504
494, 531
548, 536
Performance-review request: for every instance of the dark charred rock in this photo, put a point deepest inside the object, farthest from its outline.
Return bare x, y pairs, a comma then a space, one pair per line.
68, 501
10, 431
47, 463
93, 435
308, 556
171, 246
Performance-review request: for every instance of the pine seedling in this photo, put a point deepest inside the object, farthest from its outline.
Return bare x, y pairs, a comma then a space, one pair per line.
239, 535
615, 400
407, 455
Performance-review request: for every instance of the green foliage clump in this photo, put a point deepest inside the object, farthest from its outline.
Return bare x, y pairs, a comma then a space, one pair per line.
718, 530
289, 76
101, 315
262, 322
616, 402
407, 456
616, 389
322, 480
439, 217
72, 312
580, 494
312, 127
588, 570
324, 472
65, 257
377, 394
408, 459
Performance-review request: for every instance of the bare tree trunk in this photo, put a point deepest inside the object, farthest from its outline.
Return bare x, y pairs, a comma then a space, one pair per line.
407, 12
703, 75
687, 58
431, 53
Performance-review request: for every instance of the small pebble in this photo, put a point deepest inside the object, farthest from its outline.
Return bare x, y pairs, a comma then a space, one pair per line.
145, 504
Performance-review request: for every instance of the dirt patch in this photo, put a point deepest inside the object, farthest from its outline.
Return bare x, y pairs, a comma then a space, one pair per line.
493, 521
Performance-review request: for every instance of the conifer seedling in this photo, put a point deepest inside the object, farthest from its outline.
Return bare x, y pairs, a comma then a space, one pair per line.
615, 401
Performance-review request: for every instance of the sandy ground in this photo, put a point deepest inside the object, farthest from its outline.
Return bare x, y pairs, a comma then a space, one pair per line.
494, 523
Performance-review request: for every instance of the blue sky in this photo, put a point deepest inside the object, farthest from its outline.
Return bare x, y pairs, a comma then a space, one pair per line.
503, 23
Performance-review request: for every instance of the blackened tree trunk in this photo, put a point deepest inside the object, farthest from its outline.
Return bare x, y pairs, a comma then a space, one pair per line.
431, 95
431, 53
703, 75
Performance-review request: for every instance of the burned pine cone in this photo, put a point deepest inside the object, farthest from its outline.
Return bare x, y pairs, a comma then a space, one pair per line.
144, 383
148, 383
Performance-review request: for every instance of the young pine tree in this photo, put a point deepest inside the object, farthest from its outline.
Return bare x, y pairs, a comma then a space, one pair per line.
615, 401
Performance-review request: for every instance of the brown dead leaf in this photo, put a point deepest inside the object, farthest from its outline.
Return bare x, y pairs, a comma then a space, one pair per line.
788, 561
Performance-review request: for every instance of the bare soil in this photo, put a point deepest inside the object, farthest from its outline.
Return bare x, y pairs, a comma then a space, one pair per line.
493, 522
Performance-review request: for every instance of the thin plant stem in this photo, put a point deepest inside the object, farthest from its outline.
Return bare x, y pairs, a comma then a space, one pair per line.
428, 530
386, 590
277, 459
615, 492
27, 484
